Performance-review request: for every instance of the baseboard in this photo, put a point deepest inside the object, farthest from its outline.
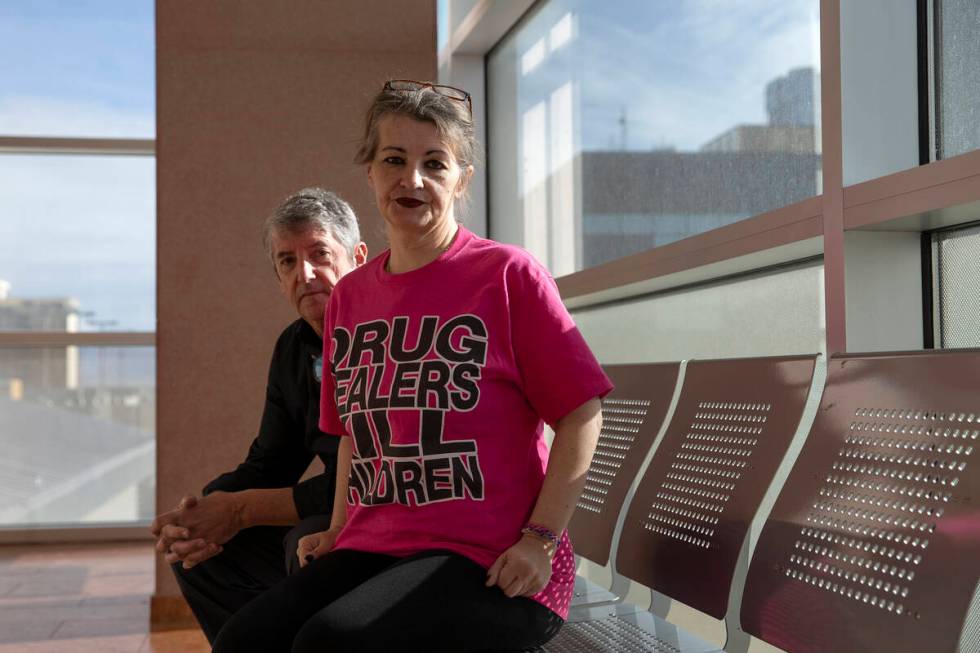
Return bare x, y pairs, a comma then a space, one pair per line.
170, 613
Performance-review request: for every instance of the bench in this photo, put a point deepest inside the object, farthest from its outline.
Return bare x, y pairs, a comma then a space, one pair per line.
632, 417
686, 526
874, 540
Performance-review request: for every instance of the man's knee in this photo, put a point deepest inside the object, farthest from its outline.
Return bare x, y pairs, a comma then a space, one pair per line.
185, 577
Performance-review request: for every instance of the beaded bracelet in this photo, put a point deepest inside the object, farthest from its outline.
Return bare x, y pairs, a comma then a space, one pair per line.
542, 532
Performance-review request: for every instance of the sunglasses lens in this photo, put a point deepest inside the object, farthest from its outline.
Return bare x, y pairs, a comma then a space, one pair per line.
452, 92
407, 85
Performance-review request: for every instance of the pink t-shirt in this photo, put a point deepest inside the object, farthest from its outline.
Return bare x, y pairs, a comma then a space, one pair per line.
442, 376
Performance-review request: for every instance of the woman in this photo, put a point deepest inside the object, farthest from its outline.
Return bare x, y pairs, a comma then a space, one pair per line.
448, 353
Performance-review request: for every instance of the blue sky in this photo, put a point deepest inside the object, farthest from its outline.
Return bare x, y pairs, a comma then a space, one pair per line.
79, 226
683, 72
79, 68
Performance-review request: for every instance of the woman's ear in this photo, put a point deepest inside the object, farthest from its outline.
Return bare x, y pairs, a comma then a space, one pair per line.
464, 180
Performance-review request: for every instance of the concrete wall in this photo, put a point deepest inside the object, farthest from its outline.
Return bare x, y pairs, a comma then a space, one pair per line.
254, 101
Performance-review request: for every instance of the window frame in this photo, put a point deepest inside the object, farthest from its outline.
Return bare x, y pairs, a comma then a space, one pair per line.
47, 533
933, 195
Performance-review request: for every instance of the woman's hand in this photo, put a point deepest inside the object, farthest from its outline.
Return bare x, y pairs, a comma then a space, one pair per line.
524, 569
315, 545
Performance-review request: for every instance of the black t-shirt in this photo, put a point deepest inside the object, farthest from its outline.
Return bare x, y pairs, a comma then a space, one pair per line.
289, 435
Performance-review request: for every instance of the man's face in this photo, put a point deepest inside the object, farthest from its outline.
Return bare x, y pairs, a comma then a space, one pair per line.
309, 263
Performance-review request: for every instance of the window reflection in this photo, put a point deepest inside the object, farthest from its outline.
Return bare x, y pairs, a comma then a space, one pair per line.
636, 124
99, 404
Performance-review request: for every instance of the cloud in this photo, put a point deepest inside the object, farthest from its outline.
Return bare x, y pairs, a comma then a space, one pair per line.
82, 227
684, 72
25, 115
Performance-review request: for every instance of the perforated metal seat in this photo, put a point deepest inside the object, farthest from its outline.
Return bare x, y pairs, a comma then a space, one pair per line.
874, 541
624, 629
690, 515
632, 416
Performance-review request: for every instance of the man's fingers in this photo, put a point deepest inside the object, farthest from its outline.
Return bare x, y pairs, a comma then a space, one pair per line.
174, 532
170, 534
189, 501
208, 551
193, 553
162, 520
181, 549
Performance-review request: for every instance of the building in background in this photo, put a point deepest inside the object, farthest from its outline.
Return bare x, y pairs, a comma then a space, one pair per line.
97, 401
633, 200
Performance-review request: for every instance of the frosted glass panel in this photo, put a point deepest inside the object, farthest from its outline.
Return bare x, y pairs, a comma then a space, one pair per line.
958, 272
764, 315
958, 72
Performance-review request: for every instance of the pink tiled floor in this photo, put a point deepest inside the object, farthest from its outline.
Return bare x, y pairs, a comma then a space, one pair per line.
80, 598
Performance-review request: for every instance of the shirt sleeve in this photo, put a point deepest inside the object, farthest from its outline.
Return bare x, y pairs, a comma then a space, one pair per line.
558, 371
277, 457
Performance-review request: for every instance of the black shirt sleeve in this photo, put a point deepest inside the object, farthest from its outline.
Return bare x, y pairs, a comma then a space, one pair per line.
279, 455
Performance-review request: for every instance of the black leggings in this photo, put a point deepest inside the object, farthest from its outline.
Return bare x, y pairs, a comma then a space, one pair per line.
352, 601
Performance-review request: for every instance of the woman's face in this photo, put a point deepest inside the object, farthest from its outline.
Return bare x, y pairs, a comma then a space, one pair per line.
415, 175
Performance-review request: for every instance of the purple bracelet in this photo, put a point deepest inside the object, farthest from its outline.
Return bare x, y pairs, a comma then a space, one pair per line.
543, 532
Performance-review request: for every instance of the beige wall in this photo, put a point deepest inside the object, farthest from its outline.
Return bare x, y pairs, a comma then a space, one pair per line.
254, 101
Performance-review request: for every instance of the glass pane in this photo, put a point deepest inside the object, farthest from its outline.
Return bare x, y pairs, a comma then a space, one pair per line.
771, 314
616, 127
78, 435
958, 74
958, 272
879, 60
77, 243
77, 68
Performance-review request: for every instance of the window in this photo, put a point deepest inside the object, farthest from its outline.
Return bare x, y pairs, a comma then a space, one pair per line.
956, 290
78, 232
957, 74
77, 263
77, 69
636, 124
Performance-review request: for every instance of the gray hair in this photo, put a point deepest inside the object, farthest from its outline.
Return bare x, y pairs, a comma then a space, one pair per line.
451, 118
318, 208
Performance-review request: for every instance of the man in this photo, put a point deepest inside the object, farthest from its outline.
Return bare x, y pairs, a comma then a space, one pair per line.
235, 541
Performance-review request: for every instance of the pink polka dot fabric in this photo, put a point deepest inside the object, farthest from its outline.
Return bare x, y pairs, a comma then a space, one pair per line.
558, 594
